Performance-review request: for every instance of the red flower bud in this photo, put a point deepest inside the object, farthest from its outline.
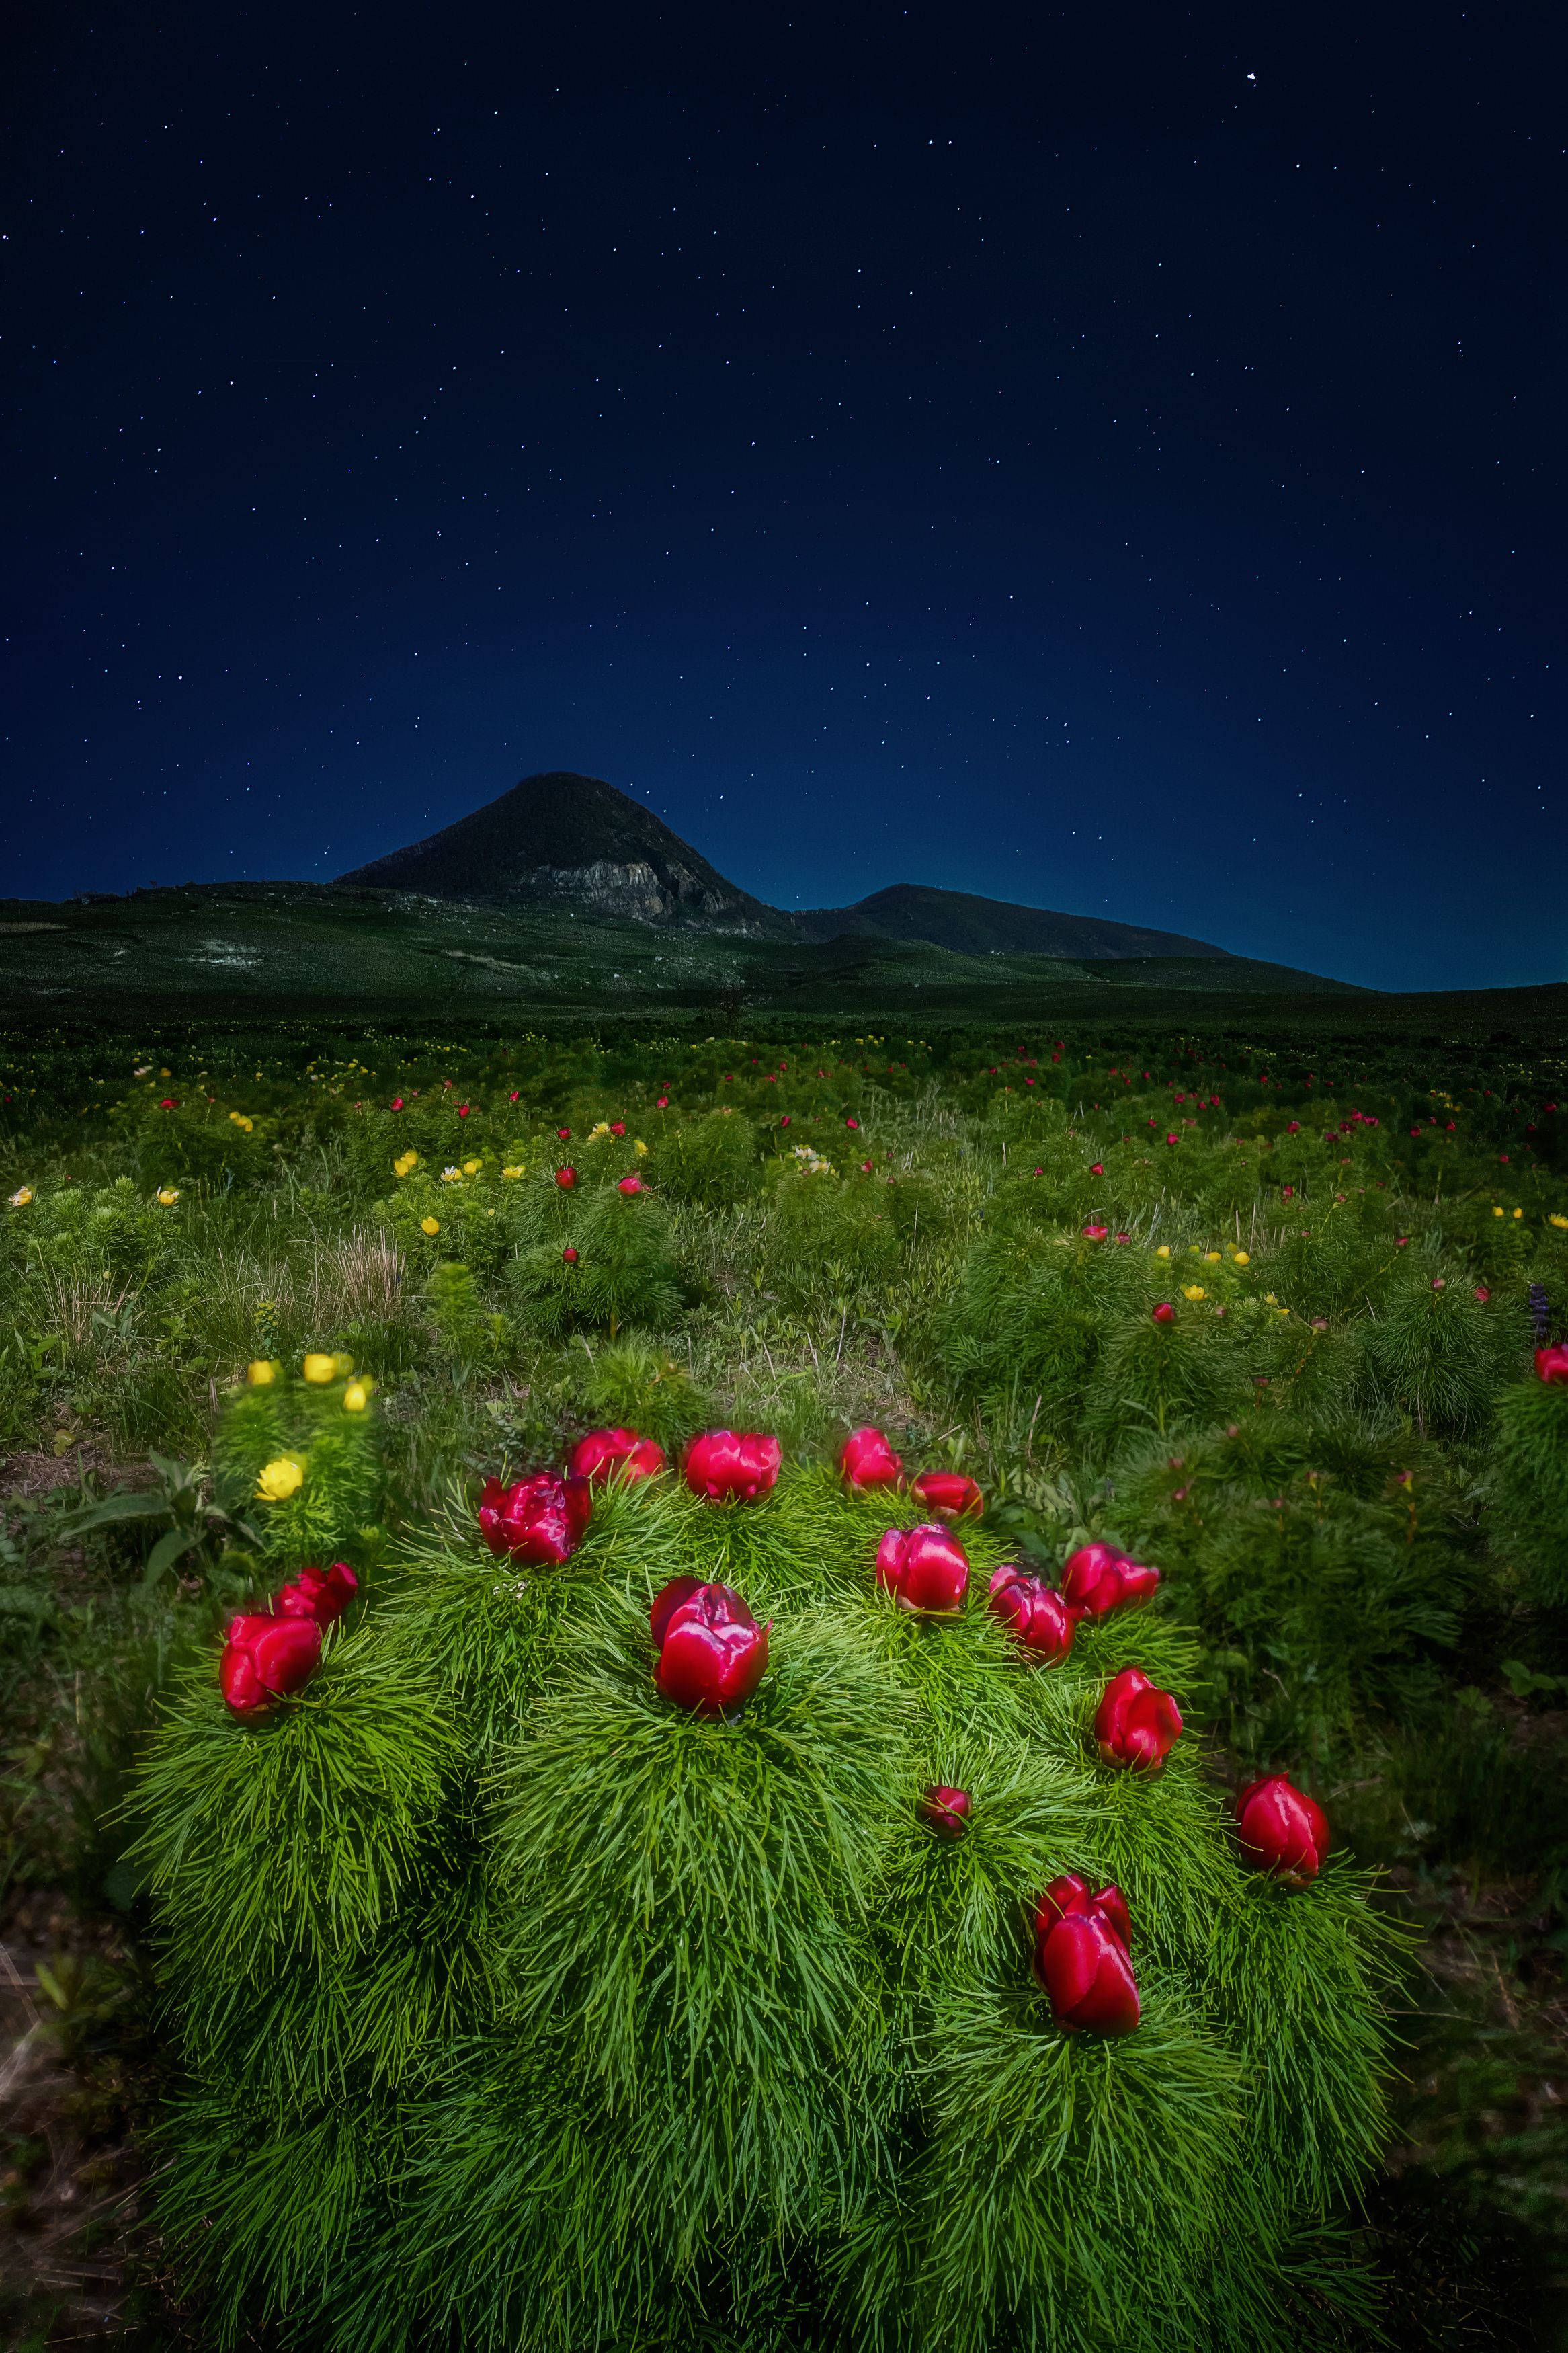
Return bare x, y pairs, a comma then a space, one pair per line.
867, 1460
608, 1453
1279, 1828
568, 1256
732, 1466
945, 1811
566, 1177
630, 1185
1551, 1364
323, 1594
264, 1658
1172, 1139
712, 1653
1136, 1724
1097, 1579
1095, 1233
1164, 1312
617, 1127
949, 1494
398, 1102
1097, 1168
923, 1568
1082, 1957
540, 1520
1035, 1610
562, 1133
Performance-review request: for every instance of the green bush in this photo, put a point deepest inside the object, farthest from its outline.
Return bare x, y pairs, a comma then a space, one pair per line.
588, 2021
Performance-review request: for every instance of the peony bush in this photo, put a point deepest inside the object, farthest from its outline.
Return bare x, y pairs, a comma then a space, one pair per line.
741, 1896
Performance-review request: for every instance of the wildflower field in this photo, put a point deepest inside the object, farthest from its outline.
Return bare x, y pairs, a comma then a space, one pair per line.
1091, 1431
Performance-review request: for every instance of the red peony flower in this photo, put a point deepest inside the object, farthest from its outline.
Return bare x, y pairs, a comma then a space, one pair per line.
265, 1658
712, 1653
566, 1177
1136, 1724
949, 1494
568, 1256
1164, 1312
1097, 1168
398, 1102
540, 1520
923, 1568
1082, 1957
1097, 1579
608, 1453
1035, 1610
323, 1594
617, 1127
1095, 1233
1551, 1364
662, 1103
945, 1811
1281, 1829
630, 1185
867, 1460
732, 1466
563, 1134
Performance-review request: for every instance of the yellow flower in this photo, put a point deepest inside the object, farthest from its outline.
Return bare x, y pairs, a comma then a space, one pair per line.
1496, 1211
356, 1396
1213, 1256
320, 1369
21, 1197
451, 1175
511, 1172
168, 1194
165, 1072
282, 1477
1556, 1221
472, 1167
261, 1374
1193, 1291
1518, 1213
603, 1128
642, 1149
429, 1226
1241, 1258
1164, 1250
403, 1162
239, 1120
1270, 1298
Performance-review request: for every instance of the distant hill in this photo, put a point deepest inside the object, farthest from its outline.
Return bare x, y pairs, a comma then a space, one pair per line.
972, 926
561, 838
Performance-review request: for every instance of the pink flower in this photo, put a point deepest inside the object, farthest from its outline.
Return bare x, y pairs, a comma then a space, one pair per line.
610, 1453
1136, 1724
949, 1494
630, 1185
323, 1594
1035, 1610
732, 1466
1281, 1829
1082, 1956
1099, 1580
712, 1653
1551, 1364
539, 1520
945, 1811
923, 1568
566, 1177
266, 1658
867, 1460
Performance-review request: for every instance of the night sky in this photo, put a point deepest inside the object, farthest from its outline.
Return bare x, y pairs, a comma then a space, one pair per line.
1106, 459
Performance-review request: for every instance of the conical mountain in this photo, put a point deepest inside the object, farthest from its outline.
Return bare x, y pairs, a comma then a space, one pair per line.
562, 837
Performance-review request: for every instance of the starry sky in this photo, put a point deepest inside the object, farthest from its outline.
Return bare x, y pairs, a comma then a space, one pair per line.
1110, 460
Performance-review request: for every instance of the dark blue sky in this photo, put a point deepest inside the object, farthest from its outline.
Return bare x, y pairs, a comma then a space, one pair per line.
1110, 460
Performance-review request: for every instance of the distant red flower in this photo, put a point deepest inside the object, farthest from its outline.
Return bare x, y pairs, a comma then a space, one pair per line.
867, 1460
539, 1520
630, 1185
1551, 1364
1164, 1312
566, 1177
568, 1256
1281, 1829
945, 1811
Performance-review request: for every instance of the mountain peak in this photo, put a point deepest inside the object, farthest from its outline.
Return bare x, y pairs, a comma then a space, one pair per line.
560, 835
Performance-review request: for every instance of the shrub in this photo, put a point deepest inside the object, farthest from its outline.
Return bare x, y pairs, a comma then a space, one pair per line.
522, 2007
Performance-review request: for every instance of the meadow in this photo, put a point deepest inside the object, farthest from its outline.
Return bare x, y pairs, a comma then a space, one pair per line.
1263, 1307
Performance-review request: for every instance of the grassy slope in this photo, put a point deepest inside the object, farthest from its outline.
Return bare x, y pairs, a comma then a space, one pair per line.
278, 949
